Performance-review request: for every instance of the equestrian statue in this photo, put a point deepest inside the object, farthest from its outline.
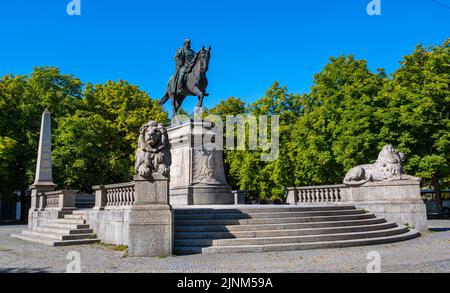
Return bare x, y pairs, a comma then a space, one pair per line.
189, 78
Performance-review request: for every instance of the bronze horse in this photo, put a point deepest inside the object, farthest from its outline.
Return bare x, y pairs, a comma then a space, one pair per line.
195, 83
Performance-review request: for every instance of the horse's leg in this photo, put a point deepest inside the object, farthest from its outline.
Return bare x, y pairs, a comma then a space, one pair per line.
200, 96
174, 106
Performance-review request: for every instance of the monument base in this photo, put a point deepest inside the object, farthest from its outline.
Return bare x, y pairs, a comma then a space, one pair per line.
202, 195
197, 175
151, 231
151, 225
396, 201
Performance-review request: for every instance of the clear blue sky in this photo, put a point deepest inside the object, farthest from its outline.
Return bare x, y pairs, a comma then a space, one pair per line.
255, 42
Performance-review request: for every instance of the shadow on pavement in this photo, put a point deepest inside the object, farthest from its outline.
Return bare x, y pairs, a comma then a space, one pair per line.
23, 271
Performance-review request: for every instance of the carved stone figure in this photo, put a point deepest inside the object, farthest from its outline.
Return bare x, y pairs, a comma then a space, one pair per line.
204, 168
189, 78
388, 167
153, 153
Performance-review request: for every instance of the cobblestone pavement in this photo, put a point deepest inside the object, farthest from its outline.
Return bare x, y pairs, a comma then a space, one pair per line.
429, 253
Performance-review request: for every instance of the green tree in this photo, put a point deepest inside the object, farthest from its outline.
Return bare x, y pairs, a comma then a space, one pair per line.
7, 146
231, 106
416, 114
127, 107
86, 154
267, 180
337, 129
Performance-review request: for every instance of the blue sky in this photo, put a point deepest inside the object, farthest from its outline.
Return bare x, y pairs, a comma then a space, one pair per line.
255, 42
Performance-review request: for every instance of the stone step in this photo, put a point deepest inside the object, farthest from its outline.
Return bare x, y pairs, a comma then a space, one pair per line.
68, 226
58, 236
53, 242
285, 226
68, 221
64, 231
272, 220
80, 212
259, 209
237, 215
74, 217
282, 233
298, 246
290, 239
44, 241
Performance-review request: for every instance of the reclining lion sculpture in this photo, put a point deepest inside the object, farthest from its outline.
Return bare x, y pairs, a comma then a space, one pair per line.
153, 153
388, 167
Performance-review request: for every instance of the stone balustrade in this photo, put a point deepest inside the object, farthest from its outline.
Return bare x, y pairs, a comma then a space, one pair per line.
317, 194
397, 201
239, 196
60, 200
115, 196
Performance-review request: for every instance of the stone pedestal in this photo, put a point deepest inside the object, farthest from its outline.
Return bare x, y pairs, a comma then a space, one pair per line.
151, 225
36, 194
197, 175
396, 201
37, 199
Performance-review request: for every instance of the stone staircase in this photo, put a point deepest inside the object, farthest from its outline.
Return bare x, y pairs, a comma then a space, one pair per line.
69, 230
280, 228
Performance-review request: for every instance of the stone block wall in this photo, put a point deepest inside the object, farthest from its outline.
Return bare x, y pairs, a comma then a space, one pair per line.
111, 226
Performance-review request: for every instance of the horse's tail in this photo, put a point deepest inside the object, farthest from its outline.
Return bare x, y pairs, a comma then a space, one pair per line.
166, 95
164, 99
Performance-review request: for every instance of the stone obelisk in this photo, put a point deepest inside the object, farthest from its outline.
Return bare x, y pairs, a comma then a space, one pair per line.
44, 177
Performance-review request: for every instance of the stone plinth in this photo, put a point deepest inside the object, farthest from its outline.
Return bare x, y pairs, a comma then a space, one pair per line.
197, 175
397, 201
151, 220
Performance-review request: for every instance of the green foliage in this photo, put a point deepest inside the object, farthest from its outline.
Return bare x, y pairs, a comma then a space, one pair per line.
415, 112
7, 146
231, 106
266, 180
127, 107
338, 129
86, 152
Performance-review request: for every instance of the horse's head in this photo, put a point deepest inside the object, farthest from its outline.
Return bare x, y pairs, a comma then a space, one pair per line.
204, 55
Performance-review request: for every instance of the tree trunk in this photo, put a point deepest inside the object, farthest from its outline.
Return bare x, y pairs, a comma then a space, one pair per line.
438, 193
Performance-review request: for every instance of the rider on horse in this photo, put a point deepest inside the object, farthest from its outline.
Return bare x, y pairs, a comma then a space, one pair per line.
184, 60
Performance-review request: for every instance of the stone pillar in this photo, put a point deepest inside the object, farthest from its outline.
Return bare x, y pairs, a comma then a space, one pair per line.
292, 197
239, 197
44, 176
100, 197
151, 231
197, 175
